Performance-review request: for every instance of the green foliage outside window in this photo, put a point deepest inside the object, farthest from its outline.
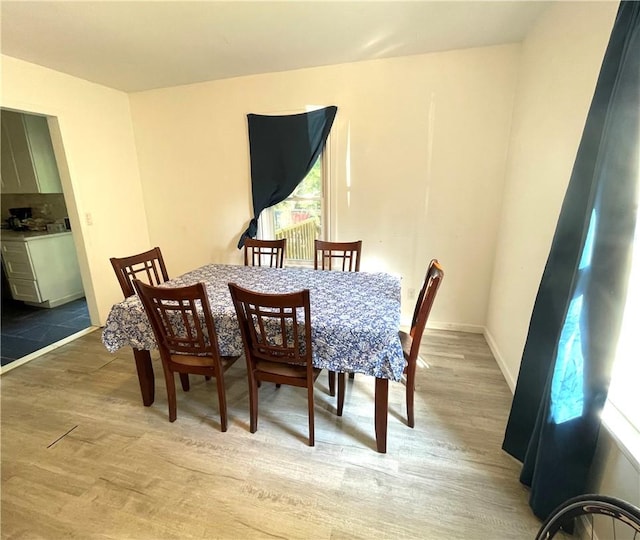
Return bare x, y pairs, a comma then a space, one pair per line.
299, 217
304, 203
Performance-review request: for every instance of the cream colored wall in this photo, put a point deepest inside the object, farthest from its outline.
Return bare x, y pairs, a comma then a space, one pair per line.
93, 140
561, 59
418, 151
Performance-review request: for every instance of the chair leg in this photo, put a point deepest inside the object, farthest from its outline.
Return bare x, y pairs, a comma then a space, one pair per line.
184, 379
332, 383
312, 437
253, 404
222, 400
410, 419
352, 375
410, 391
171, 393
341, 391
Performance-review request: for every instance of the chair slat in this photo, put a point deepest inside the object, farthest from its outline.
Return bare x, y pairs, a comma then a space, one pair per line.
148, 265
344, 256
259, 251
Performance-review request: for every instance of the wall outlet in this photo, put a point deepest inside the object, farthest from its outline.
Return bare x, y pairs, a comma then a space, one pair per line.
88, 218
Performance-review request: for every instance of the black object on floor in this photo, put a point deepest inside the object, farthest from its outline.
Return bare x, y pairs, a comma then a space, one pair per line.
26, 329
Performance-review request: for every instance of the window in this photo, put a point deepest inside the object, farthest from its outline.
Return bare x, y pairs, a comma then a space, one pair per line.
300, 218
622, 411
626, 374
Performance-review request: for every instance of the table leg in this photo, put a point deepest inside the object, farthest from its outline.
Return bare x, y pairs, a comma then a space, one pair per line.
342, 377
382, 406
145, 376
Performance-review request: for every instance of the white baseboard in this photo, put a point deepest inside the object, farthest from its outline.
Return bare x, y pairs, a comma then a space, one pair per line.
49, 348
456, 327
499, 360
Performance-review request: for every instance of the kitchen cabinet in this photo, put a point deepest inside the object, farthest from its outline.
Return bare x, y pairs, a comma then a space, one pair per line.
42, 269
28, 161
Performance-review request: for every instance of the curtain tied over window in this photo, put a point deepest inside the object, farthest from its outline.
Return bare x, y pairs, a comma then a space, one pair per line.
283, 149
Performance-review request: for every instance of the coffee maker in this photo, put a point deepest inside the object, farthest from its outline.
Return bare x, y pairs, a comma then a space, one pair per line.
18, 215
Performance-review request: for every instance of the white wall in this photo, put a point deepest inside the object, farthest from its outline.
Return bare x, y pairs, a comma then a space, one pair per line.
561, 59
93, 136
426, 138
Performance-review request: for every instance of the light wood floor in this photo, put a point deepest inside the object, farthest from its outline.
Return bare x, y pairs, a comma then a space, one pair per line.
82, 458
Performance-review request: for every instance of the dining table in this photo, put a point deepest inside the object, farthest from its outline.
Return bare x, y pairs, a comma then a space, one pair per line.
355, 317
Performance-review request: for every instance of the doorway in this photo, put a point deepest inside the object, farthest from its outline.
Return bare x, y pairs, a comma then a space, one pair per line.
27, 328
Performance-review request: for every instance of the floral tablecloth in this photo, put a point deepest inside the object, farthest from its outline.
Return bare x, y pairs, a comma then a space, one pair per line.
355, 316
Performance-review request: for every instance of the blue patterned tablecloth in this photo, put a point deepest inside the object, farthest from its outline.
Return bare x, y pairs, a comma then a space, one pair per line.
355, 316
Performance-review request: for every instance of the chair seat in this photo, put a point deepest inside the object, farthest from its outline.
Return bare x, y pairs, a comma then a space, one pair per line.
201, 361
406, 341
285, 370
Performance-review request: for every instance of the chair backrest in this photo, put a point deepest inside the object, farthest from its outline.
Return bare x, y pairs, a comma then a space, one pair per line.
258, 251
181, 318
343, 256
148, 267
427, 295
274, 327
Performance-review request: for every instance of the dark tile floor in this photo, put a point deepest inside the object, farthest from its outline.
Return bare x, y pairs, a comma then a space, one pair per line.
25, 329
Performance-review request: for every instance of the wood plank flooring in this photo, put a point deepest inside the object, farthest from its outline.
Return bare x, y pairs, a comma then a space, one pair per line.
82, 458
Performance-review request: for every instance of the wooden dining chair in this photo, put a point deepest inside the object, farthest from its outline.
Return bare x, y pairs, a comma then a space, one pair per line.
148, 267
343, 256
276, 332
185, 333
268, 251
410, 341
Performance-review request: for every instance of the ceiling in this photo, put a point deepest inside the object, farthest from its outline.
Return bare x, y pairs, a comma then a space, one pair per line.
134, 46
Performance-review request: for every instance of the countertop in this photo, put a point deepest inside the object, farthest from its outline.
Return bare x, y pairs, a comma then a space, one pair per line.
8, 234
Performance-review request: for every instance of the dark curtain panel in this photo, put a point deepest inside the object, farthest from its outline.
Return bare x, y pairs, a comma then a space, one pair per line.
283, 150
565, 370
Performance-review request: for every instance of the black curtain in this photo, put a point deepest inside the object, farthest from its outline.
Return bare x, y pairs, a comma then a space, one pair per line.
566, 364
283, 149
